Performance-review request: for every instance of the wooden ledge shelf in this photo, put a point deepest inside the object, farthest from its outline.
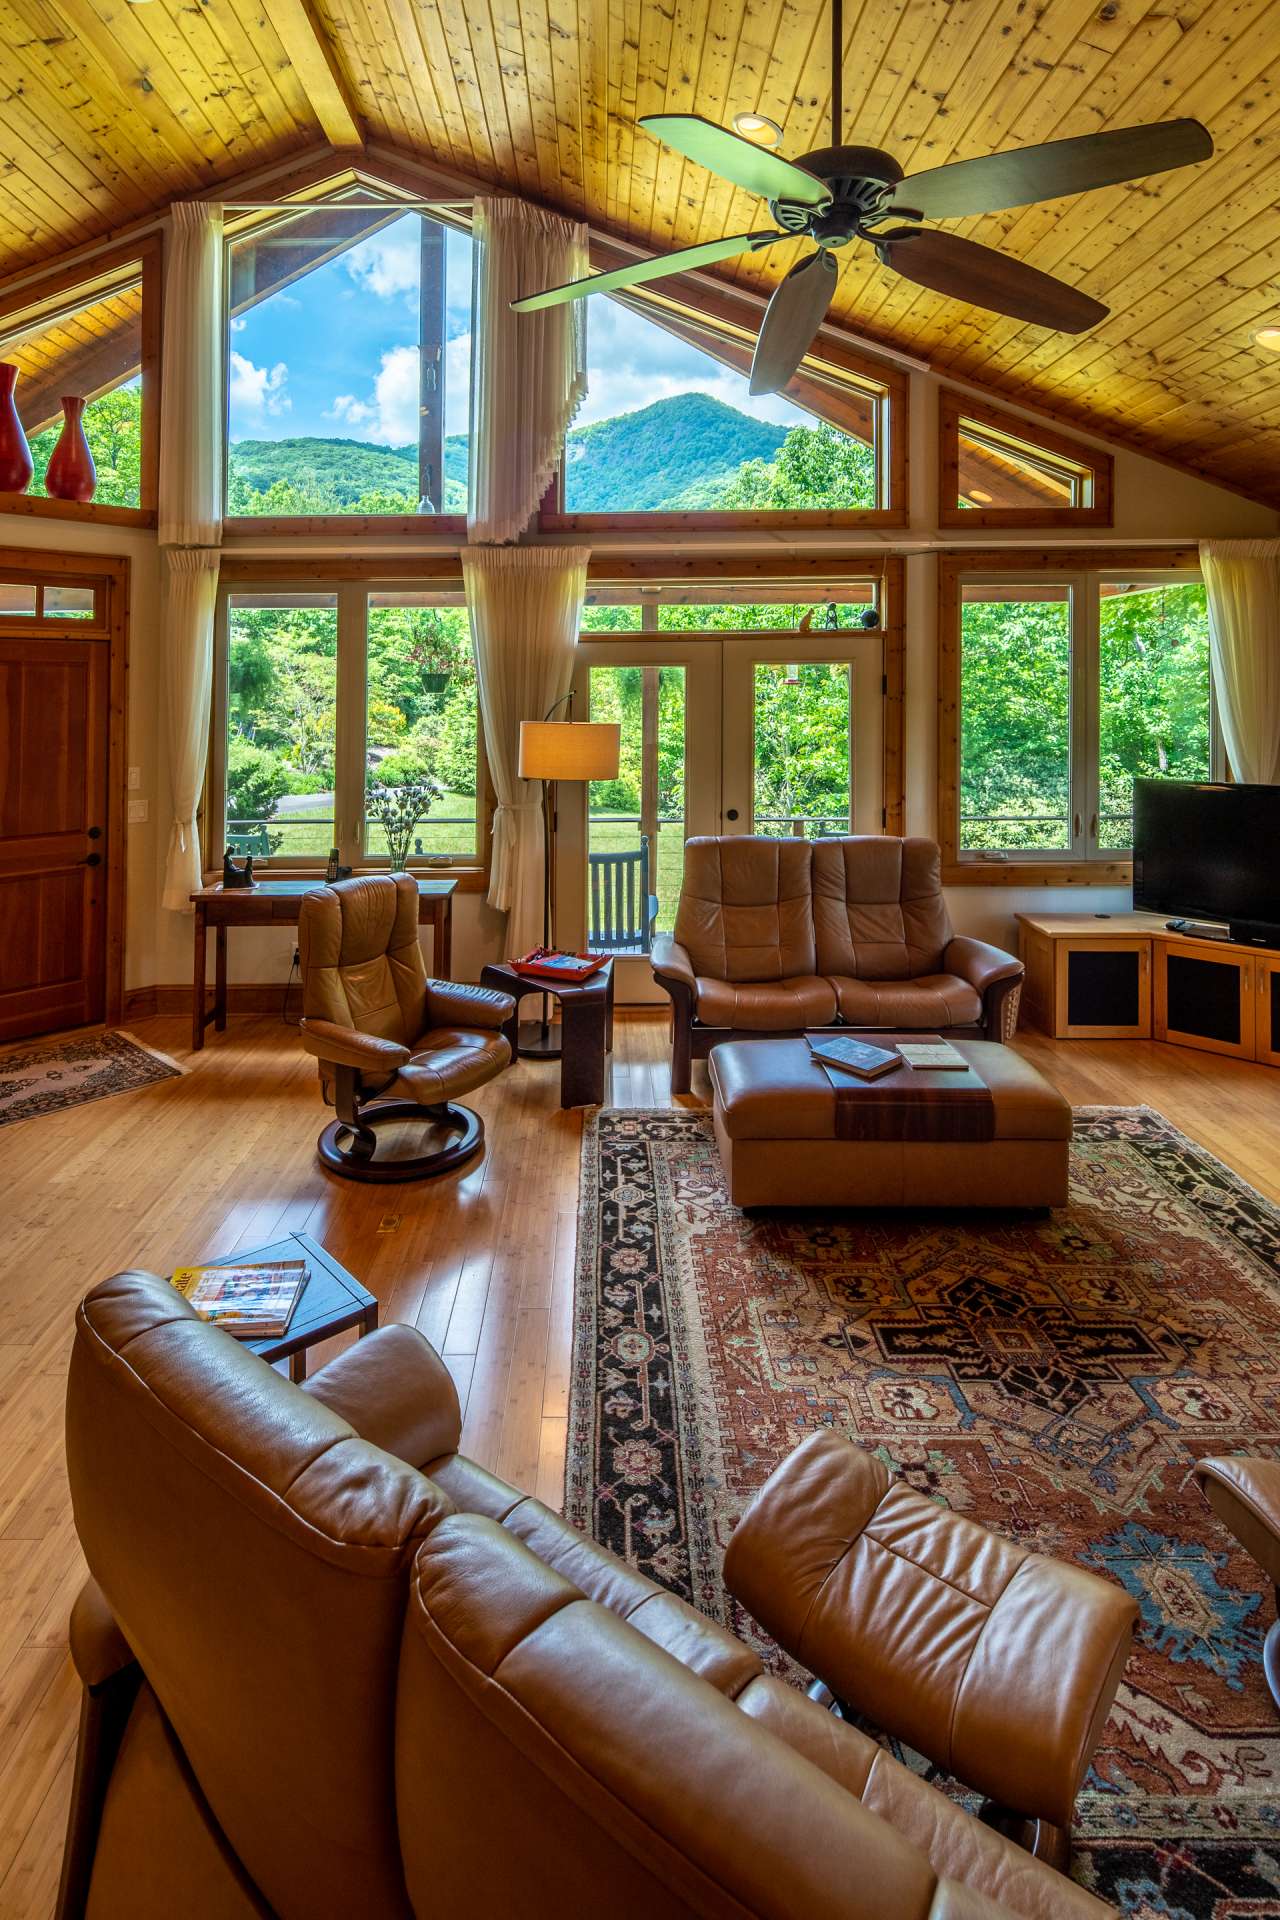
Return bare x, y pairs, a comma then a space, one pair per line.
1127, 976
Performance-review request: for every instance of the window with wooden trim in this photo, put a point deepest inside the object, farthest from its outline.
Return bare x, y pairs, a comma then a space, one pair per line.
1058, 690
348, 365
999, 471
327, 693
669, 432
97, 341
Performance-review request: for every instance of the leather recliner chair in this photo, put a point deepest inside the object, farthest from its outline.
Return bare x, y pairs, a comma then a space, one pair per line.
392, 1045
332, 1667
779, 936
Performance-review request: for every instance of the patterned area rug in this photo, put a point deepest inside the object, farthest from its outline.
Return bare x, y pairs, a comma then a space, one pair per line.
44, 1078
1052, 1377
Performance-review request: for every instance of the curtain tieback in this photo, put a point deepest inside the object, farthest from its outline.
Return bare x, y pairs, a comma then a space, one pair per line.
519, 806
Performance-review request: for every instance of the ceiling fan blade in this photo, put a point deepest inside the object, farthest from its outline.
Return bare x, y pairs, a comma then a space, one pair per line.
1046, 172
735, 159
685, 261
795, 312
965, 271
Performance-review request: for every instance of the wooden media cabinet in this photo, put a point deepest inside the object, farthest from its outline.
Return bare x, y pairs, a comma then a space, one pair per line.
1126, 976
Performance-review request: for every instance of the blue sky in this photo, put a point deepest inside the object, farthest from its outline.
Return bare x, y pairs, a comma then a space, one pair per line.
336, 355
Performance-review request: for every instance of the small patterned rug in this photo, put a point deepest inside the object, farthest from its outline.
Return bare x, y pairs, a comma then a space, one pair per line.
1054, 1377
45, 1077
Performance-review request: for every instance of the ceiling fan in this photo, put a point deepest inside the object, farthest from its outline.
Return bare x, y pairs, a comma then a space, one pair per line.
839, 193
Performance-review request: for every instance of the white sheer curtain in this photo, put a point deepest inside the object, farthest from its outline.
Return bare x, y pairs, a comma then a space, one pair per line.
525, 605
529, 374
189, 590
191, 430
1243, 582
190, 519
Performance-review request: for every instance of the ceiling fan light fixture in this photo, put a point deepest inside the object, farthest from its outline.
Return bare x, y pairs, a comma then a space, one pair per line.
758, 127
1268, 338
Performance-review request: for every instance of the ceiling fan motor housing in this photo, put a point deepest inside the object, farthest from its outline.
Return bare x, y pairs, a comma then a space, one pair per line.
857, 179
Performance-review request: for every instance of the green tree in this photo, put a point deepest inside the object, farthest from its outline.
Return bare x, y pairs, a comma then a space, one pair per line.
256, 781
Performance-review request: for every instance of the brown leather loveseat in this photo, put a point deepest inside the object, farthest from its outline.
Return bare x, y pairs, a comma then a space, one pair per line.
776, 936
332, 1667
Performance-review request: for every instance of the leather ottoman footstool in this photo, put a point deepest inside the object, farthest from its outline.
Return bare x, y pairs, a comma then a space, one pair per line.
994, 1662
996, 1136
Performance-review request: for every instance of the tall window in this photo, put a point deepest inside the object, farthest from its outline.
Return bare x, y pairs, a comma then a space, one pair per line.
331, 694
1069, 689
349, 365
669, 426
89, 344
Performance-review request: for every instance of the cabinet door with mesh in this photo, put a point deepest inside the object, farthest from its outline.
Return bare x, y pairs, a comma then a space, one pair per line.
1102, 989
1205, 998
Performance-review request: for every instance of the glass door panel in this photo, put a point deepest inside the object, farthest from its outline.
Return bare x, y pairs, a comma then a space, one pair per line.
802, 748
621, 841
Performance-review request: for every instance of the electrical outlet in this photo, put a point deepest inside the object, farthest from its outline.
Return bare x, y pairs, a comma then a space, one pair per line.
139, 811
135, 779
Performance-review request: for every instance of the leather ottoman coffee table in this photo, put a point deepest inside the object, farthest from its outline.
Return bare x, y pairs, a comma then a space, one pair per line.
792, 1134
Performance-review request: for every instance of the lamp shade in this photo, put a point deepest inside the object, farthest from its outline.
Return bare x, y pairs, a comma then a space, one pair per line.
569, 749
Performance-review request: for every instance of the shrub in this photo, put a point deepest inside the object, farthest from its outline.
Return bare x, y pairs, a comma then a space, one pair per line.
256, 779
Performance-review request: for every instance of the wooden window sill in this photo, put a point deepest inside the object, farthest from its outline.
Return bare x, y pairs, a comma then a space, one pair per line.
1038, 873
38, 507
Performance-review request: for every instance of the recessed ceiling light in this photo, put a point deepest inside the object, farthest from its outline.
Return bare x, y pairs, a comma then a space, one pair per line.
1268, 337
757, 127
983, 499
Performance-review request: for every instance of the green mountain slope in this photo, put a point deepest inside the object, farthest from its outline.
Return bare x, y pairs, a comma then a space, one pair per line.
682, 449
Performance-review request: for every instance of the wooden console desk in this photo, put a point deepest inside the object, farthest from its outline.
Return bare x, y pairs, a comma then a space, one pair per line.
274, 903
1127, 977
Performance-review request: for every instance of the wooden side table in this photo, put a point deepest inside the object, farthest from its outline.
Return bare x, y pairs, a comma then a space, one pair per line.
586, 1028
332, 1301
279, 903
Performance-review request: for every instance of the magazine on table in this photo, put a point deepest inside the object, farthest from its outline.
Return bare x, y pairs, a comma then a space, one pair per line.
932, 1056
853, 1056
253, 1302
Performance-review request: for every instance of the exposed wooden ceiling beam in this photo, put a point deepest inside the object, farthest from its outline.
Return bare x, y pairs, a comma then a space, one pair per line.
315, 62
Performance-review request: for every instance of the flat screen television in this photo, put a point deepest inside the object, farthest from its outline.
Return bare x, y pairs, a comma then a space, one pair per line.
1204, 850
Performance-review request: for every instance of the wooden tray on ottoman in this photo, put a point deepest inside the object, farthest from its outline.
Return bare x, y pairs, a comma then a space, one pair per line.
997, 1135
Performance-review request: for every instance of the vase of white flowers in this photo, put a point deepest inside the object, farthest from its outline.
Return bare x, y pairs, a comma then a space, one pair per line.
398, 810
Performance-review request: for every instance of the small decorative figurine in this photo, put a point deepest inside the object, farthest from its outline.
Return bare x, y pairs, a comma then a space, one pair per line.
234, 876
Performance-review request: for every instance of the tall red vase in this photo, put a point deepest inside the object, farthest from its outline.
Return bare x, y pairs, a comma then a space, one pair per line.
15, 454
71, 474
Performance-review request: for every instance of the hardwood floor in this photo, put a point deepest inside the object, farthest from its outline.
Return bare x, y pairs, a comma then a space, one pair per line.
224, 1160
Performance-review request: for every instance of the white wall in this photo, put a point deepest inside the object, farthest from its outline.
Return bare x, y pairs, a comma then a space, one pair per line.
1153, 502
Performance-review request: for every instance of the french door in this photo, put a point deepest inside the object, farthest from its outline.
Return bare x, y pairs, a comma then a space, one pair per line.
770, 732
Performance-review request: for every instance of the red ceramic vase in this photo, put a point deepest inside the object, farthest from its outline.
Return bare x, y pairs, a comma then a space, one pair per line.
71, 474
15, 454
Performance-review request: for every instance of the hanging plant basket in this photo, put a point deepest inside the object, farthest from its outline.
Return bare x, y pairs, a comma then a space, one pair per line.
435, 682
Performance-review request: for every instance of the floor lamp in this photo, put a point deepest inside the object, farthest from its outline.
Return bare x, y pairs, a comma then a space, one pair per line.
551, 751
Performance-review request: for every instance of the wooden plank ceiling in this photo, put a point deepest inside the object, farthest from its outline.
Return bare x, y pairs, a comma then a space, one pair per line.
107, 109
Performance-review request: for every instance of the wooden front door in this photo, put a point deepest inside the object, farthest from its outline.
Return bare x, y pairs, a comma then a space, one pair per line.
57, 830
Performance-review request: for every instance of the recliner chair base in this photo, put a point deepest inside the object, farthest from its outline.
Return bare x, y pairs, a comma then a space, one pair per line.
349, 1147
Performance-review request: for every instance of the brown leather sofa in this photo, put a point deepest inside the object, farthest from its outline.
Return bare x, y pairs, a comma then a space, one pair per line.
332, 1667
776, 936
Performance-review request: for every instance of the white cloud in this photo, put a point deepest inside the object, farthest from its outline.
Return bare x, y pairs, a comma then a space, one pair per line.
256, 391
632, 363
389, 416
388, 263
238, 323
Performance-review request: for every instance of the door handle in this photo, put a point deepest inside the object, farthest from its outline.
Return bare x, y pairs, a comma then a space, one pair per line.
92, 860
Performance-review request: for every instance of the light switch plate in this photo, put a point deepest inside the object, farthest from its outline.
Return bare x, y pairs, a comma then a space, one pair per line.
139, 810
135, 779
